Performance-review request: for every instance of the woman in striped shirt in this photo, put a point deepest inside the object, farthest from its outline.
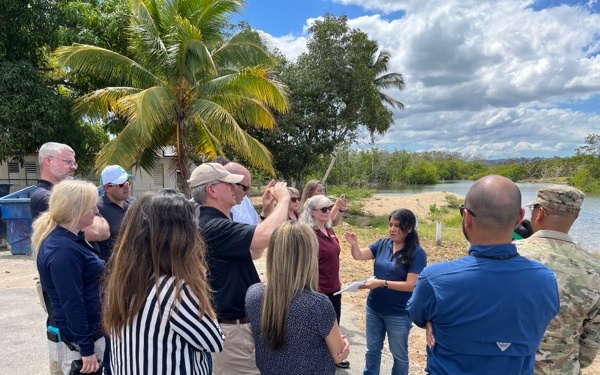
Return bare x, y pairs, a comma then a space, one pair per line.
159, 256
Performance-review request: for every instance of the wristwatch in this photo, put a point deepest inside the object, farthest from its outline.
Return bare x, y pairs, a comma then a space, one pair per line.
385, 284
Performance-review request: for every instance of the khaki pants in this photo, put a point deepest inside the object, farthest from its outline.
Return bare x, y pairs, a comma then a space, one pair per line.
237, 356
61, 355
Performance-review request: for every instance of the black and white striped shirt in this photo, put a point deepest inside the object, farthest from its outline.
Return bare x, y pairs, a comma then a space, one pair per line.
175, 342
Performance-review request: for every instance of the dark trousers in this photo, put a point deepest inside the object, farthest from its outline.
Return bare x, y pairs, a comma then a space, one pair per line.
336, 301
106, 359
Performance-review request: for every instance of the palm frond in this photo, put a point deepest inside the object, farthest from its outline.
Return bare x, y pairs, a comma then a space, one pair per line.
150, 126
245, 48
147, 108
97, 104
251, 82
193, 56
105, 64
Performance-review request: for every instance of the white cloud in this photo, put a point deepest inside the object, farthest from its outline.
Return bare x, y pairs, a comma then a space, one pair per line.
486, 78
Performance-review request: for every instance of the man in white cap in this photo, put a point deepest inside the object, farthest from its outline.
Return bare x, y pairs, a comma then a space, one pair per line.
113, 204
572, 339
231, 248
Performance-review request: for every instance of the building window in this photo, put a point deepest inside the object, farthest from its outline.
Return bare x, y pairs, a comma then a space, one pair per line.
31, 173
13, 171
158, 176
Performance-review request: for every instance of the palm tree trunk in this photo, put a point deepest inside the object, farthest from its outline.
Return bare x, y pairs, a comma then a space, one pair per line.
182, 161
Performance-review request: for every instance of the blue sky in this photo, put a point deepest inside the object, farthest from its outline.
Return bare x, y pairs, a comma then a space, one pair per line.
489, 79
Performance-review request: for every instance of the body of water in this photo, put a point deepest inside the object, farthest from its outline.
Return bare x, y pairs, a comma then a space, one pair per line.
584, 231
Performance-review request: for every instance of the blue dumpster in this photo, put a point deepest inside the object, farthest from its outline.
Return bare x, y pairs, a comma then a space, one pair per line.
14, 211
4, 190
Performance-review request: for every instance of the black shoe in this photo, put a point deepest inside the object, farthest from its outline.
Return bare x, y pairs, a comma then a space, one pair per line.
343, 364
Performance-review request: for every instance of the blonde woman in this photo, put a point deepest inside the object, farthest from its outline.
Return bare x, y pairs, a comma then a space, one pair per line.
70, 273
315, 187
294, 206
294, 327
157, 308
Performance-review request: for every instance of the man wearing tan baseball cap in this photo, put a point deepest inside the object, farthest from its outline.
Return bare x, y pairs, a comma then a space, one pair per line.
231, 248
572, 338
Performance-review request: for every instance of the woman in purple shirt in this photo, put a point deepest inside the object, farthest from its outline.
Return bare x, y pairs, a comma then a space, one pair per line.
398, 261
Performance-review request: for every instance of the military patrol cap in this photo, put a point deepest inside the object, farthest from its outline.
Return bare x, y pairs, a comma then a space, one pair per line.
559, 197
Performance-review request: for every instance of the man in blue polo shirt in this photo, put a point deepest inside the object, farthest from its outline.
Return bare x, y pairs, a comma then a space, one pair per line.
488, 311
113, 204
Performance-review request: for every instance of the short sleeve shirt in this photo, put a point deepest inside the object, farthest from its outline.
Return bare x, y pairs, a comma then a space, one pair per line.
230, 267
388, 301
329, 261
310, 319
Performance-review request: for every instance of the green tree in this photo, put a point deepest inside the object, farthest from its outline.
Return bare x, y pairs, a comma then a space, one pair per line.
335, 97
33, 109
185, 86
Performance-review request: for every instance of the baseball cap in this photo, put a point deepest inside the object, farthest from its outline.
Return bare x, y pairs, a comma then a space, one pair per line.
114, 174
559, 197
208, 172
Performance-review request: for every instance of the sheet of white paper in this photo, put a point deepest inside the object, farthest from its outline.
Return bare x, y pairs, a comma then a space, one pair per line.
354, 286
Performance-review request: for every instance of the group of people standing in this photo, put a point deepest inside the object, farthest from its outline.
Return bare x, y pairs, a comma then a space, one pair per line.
179, 292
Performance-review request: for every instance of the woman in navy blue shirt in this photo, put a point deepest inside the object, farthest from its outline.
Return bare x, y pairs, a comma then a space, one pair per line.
398, 261
70, 273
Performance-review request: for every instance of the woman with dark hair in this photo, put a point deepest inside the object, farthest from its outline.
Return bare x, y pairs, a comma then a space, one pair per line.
398, 261
157, 306
294, 327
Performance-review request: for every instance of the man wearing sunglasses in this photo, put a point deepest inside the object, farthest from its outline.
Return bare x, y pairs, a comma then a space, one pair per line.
572, 339
231, 248
244, 211
486, 312
113, 204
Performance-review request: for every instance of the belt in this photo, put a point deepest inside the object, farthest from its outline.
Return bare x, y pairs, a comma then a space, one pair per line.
243, 320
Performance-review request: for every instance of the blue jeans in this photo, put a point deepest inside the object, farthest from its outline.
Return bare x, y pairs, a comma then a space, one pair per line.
397, 328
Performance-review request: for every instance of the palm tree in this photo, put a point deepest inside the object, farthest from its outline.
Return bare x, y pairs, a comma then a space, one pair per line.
383, 80
186, 86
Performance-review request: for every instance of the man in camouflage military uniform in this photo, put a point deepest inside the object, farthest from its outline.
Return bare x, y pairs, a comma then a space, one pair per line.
572, 339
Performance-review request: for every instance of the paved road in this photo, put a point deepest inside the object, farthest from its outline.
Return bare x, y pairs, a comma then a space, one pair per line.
24, 348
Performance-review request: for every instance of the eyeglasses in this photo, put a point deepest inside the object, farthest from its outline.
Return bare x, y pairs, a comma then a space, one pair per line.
533, 207
71, 162
244, 187
126, 183
295, 199
462, 208
324, 209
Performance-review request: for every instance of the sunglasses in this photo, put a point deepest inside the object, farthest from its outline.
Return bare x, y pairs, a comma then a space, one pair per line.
324, 209
462, 208
128, 182
244, 187
295, 199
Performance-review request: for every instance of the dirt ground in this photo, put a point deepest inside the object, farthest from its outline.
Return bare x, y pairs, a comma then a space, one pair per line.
20, 271
380, 204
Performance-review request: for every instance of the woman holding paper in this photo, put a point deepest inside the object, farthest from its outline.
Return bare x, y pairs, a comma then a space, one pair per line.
398, 261
294, 327
316, 215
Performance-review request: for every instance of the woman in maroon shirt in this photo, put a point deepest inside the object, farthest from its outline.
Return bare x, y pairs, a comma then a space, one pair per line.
317, 215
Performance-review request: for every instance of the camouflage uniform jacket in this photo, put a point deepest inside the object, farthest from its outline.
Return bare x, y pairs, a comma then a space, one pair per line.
572, 339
